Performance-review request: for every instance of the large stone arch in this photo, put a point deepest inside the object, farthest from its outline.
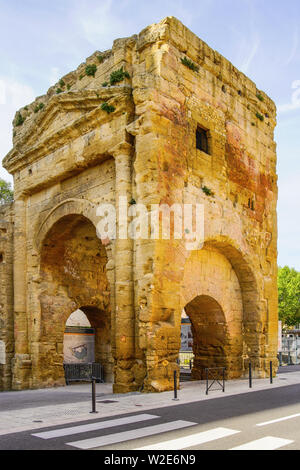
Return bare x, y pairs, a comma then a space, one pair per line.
254, 336
66, 207
72, 274
211, 296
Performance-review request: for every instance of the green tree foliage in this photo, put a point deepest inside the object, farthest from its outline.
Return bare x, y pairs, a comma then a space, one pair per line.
6, 193
289, 296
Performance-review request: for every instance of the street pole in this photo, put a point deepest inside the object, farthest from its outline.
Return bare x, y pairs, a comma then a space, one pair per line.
93, 396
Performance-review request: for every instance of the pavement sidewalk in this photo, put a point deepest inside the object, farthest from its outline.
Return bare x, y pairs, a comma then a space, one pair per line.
77, 401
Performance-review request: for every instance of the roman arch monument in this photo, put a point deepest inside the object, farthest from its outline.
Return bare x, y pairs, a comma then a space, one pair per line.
160, 119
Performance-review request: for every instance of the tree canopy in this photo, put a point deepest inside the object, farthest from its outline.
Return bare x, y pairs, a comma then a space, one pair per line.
289, 296
6, 193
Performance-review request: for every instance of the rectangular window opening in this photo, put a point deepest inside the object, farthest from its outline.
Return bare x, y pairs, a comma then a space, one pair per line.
202, 139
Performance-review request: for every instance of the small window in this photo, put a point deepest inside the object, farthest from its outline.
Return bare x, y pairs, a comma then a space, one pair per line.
202, 140
1, 258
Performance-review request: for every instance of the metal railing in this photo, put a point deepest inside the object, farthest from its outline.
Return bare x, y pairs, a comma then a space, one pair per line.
290, 351
215, 375
83, 372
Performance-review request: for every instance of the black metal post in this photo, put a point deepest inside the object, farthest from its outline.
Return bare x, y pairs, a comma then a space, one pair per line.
280, 359
206, 370
175, 386
190, 365
250, 375
271, 372
224, 380
93, 396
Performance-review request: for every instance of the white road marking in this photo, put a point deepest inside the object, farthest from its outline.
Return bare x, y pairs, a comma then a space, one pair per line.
94, 426
284, 418
129, 435
266, 443
191, 440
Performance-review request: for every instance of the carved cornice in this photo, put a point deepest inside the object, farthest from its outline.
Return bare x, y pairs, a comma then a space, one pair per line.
32, 146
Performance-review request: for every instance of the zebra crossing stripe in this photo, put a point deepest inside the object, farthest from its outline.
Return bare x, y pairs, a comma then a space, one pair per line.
94, 426
130, 435
278, 420
191, 440
266, 443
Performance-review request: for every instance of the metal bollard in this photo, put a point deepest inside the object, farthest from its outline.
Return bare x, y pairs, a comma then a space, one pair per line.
250, 375
93, 396
271, 372
175, 386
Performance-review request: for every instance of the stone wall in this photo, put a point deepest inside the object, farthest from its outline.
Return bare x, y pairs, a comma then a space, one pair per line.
6, 296
70, 154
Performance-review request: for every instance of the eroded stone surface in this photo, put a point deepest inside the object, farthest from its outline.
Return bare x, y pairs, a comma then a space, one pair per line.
71, 155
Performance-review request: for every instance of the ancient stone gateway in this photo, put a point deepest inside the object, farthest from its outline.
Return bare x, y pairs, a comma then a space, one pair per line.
176, 124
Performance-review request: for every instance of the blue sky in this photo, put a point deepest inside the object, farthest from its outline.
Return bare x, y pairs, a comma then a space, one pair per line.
41, 41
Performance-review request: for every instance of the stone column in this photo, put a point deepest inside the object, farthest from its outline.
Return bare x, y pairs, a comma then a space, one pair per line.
124, 317
21, 362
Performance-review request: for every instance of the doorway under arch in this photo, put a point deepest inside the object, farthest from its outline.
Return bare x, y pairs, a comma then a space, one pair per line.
211, 342
72, 276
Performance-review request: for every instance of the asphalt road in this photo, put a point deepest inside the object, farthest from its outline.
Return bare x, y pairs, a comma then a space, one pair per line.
216, 424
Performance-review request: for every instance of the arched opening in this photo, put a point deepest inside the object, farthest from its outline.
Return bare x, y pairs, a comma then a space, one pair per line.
212, 299
210, 337
72, 277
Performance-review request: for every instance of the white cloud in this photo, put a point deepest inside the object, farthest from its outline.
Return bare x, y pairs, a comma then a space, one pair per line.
13, 95
103, 23
294, 46
295, 100
285, 108
54, 76
100, 23
251, 54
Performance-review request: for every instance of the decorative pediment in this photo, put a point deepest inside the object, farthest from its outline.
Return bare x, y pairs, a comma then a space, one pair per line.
64, 118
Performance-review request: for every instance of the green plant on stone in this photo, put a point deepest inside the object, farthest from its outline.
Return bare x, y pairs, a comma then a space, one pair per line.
61, 83
259, 97
106, 107
39, 107
100, 58
260, 117
19, 120
207, 191
118, 76
104, 84
188, 63
59, 90
90, 70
